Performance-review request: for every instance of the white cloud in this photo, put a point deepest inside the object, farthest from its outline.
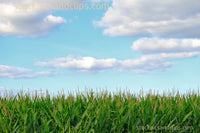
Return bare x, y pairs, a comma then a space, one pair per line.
171, 18
28, 22
157, 45
81, 64
17, 72
146, 63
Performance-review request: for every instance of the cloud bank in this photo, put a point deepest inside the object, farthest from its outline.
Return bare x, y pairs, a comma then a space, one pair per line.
144, 64
157, 45
17, 72
146, 18
23, 23
81, 64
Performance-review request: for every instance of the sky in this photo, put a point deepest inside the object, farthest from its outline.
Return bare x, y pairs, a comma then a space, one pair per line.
133, 44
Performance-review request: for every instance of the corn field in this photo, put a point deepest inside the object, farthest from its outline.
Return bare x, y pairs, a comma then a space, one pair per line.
100, 112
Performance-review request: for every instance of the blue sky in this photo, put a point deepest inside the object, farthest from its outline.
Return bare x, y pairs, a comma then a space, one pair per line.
126, 46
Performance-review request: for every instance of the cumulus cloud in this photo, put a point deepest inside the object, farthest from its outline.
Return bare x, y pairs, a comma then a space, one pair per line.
81, 64
17, 72
142, 18
157, 45
148, 63
27, 22
144, 64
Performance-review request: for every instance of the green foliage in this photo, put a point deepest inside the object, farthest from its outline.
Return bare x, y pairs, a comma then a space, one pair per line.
99, 113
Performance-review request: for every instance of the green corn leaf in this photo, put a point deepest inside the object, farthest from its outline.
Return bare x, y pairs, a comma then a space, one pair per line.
188, 115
